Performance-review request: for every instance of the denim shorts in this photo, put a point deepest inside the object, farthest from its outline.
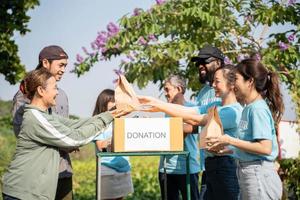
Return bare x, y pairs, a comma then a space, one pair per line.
258, 180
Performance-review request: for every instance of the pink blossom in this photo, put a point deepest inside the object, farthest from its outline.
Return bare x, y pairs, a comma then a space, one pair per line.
134, 53
152, 37
249, 18
85, 50
112, 29
118, 72
103, 50
92, 54
79, 58
227, 61
291, 38
283, 46
130, 57
142, 41
240, 58
150, 10
160, 2
93, 46
136, 12
115, 81
117, 46
257, 57
101, 39
291, 2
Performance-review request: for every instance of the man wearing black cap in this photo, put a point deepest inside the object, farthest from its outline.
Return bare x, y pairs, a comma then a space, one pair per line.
208, 60
53, 58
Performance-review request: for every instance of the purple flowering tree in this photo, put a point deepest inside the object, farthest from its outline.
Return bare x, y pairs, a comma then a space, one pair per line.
153, 41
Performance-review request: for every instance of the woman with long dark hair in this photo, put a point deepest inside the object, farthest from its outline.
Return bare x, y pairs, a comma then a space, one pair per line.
220, 166
256, 145
116, 180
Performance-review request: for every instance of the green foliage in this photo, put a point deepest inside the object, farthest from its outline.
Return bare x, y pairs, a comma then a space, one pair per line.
291, 176
161, 40
145, 178
144, 175
7, 149
84, 179
13, 19
7, 137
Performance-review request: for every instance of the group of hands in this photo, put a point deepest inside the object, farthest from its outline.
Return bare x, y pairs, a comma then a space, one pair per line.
215, 145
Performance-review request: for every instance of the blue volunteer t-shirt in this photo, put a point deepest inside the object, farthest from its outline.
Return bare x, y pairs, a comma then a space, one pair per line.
230, 116
205, 97
176, 164
118, 163
257, 123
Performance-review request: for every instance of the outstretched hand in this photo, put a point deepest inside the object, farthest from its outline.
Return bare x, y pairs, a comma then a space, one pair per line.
148, 104
119, 113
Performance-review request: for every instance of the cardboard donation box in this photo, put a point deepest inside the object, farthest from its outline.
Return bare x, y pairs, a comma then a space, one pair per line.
147, 134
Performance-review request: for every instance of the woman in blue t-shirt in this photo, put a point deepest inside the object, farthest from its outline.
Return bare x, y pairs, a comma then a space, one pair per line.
116, 180
220, 166
256, 145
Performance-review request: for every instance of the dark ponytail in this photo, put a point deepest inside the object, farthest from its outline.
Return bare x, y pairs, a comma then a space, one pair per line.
266, 83
274, 97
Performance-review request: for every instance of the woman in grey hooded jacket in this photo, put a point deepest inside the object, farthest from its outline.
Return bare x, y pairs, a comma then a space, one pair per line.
33, 171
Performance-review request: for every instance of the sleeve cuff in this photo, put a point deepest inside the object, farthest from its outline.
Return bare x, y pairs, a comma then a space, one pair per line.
106, 117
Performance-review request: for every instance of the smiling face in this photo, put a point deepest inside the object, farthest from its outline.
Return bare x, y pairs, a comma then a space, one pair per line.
206, 68
170, 91
56, 67
221, 85
49, 92
242, 87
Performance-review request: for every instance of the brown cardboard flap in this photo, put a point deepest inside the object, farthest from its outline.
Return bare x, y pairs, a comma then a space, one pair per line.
119, 138
176, 139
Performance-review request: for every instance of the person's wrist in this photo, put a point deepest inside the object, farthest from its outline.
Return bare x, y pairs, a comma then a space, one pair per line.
228, 139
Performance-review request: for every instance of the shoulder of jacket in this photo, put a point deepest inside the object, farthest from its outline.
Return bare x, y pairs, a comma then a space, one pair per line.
19, 96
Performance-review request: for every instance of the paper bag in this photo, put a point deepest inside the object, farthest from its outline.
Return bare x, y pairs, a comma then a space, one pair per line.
125, 97
213, 128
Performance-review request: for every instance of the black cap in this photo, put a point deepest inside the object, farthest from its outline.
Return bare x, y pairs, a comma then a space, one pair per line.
52, 52
207, 52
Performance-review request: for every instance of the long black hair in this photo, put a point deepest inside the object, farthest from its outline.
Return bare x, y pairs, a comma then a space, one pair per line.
103, 99
266, 83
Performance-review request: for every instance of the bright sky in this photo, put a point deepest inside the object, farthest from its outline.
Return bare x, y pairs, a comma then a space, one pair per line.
73, 24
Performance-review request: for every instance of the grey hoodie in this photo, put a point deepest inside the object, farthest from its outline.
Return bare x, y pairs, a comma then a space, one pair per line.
33, 171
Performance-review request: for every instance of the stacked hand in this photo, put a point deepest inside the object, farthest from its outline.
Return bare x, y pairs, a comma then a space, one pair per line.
218, 145
148, 104
119, 113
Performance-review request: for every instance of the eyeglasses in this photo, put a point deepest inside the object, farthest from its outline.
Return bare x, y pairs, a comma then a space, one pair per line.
205, 61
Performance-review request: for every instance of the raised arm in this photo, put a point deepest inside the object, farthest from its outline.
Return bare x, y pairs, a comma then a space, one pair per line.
189, 114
